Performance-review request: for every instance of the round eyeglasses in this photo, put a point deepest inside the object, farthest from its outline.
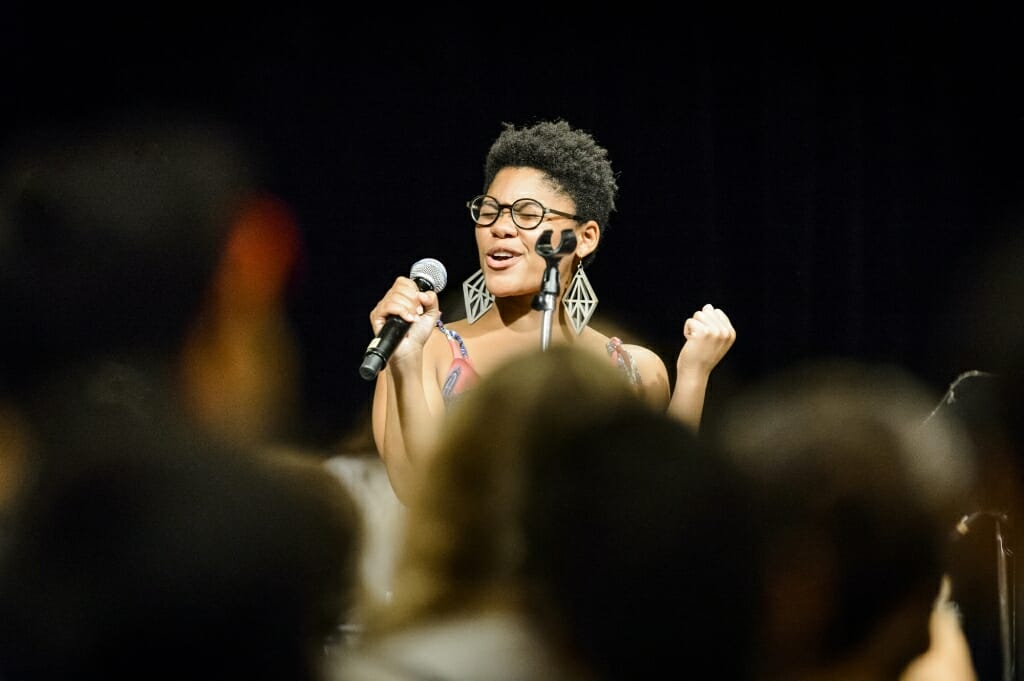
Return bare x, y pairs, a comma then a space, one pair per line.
526, 213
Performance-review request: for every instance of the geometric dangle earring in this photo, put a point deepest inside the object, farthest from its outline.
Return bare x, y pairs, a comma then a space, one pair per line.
476, 297
579, 301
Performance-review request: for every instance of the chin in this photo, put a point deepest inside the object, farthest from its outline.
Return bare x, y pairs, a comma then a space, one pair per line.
514, 283
508, 292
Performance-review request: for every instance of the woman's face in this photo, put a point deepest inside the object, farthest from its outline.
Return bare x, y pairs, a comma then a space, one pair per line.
508, 255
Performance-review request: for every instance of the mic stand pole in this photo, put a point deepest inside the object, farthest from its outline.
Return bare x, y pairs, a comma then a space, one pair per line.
1007, 598
548, 294
1005, 582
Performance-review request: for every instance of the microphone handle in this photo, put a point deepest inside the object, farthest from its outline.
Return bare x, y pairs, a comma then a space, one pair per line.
390, 336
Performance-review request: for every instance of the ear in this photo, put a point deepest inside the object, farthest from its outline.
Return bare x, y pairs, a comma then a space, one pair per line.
587, 237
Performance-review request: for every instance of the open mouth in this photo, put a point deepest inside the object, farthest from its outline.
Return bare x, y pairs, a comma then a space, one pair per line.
500, 256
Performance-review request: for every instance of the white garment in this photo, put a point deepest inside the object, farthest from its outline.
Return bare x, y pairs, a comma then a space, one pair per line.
366, 479
492, 647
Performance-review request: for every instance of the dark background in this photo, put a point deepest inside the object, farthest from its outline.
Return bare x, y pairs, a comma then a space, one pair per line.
827, 180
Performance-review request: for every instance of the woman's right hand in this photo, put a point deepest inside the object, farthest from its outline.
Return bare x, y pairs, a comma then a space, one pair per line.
420, 308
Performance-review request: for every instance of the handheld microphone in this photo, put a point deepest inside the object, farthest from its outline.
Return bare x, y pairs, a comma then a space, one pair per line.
429, 275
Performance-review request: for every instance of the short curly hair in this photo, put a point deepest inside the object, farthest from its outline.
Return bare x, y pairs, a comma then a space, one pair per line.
571, 159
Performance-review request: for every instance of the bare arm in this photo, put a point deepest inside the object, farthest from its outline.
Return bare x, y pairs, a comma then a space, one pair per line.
407, 403
709, 334
654, 387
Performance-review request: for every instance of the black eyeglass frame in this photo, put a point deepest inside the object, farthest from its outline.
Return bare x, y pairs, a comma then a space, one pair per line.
545, 211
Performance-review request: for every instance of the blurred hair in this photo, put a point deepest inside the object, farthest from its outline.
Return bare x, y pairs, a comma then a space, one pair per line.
152, 552
855, 489
464, 532
557, 490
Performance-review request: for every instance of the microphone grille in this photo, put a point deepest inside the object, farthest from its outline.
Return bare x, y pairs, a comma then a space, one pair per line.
432, 271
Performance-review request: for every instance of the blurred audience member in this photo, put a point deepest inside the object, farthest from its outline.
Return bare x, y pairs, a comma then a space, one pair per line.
596, 539
149, 238
109, 235
857, 504
156, 553
114, 234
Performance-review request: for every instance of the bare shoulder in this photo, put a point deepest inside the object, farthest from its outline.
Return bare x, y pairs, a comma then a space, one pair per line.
648, 362
654, 381
437, 354
653, 374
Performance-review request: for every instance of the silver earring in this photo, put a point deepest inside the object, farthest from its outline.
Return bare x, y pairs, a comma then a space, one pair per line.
476, 297
579, 300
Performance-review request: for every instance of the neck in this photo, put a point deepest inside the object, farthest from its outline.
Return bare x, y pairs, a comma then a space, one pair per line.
518, 315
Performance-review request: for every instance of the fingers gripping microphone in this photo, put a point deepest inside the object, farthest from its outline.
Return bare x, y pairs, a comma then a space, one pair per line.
429, 275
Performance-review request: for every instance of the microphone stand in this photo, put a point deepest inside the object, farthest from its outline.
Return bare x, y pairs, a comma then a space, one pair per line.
548, 294
1007, 615
1005, 583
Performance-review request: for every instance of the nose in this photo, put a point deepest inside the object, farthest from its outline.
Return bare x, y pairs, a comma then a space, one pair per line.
504, 225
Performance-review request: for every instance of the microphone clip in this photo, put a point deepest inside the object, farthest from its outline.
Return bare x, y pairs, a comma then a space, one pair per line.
548, 294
